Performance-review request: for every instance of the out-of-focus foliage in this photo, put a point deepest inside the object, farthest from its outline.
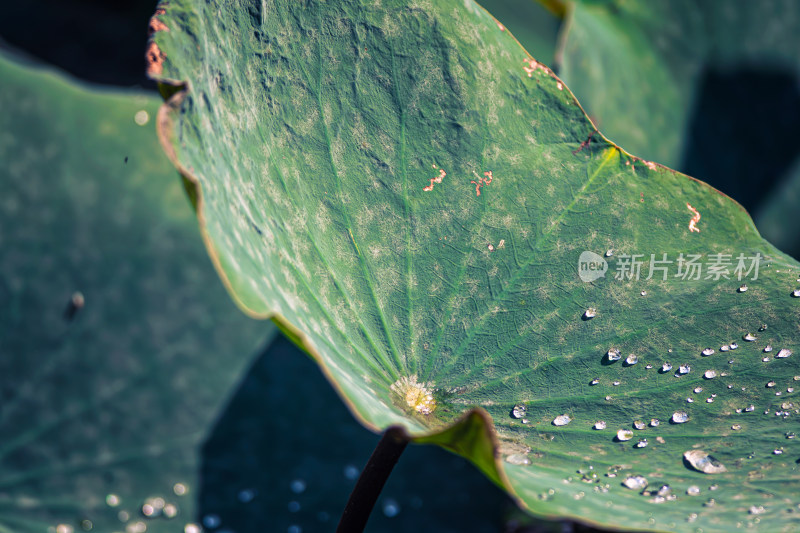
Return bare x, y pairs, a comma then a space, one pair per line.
104, 405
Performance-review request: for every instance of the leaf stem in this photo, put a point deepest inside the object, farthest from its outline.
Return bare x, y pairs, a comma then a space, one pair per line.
371, 481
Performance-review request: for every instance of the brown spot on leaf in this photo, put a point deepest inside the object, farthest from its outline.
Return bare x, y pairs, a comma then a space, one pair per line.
155, 59
155, 24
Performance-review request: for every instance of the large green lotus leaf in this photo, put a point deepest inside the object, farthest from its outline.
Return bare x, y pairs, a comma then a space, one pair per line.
407, 193
109, 409
639, 68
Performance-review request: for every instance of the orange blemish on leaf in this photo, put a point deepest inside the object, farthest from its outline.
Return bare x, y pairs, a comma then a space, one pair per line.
695, 219
436, 179
486, 180
531, 66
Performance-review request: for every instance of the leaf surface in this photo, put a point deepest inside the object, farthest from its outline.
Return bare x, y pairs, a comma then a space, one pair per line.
103, 412
407, 193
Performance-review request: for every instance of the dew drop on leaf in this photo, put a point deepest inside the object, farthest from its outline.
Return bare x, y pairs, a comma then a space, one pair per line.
624, 434
518, 459
703, 462
708, 351
600, 424
635, 482
679, 417
749, 337
562, 420
518, 411
783, 353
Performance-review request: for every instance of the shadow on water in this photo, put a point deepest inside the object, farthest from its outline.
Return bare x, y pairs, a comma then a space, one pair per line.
742, 136
286, 452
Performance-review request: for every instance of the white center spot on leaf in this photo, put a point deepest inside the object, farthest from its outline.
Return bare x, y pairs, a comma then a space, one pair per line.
418, 396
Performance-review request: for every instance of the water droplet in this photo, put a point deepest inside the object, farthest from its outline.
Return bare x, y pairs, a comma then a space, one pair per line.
708, 351
701, 461
600, 424
298, 486
246, 495
590, 313
689, 400
643, 293
654, 422
684, 369
638, 424
777, 451
112, 500
351, 472
609, 252
648, 366
710, 400
518, 411
211, 521
679, 417
694, 490
768, 348
64, 528
770, 384
391, 508
736, 427
562, 420
595, 381
710, 374
666, 367
734, 345
613, 355
698, 390
641, 444
749, 409
170, 510
624, 434
790, 435
153, 507
518, 459
616, 383
724, 348
87, 525
757, 509
742, 288
749, 337
763, 327
635, 482
796, 293
180, 489
631, 360
783, 354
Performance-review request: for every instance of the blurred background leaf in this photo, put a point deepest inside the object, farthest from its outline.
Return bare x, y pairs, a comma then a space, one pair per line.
113, 397
711, 89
